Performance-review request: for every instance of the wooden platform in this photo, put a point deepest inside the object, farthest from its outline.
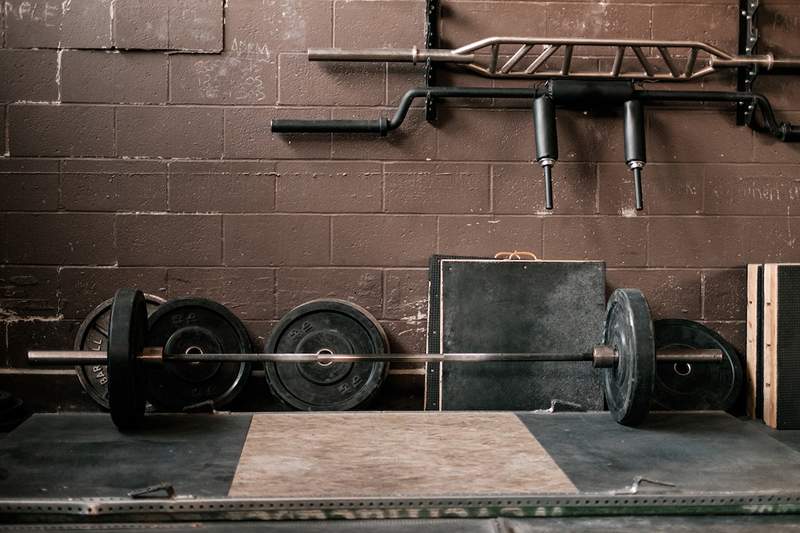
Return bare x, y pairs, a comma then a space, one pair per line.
394, 454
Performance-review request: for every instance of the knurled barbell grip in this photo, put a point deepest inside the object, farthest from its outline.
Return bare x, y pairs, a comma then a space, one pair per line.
602, 356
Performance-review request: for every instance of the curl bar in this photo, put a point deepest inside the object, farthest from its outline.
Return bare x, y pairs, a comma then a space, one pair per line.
534, 55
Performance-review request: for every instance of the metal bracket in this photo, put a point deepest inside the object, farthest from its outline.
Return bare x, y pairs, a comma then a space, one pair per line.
432, 14
748, 39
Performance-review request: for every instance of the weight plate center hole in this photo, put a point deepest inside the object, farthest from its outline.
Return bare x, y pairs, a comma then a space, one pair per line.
194, 350
325, 351
682, 369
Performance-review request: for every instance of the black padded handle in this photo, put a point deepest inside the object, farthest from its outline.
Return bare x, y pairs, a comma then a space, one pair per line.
790, 133
379, 126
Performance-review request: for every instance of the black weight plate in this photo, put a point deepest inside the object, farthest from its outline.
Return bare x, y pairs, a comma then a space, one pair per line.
327, 326
196, 325
629, 330
127, 328
93, 336
695, 386
6, 399
12, 414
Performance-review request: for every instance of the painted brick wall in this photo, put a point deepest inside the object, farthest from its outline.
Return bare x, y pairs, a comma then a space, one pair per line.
127, 164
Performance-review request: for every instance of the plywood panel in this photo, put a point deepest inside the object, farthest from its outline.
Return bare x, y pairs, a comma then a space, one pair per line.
393, 454
752, 340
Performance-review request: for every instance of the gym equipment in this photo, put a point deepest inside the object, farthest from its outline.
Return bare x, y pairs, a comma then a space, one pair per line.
683, 386
530, 60
12, 411
327, 326
196, 325
780, 352
486, 305
126, 333
626, 359
533, 58
629, 383
561, 93
93, 335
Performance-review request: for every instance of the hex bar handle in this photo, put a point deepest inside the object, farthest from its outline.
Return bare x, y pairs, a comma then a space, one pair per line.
154, 354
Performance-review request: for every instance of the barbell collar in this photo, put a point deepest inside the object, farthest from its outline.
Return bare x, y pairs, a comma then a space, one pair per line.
602, 357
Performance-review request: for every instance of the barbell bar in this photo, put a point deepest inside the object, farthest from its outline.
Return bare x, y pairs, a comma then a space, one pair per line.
627, 357
598, 357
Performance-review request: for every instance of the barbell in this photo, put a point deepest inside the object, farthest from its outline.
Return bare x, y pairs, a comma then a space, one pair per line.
627, 357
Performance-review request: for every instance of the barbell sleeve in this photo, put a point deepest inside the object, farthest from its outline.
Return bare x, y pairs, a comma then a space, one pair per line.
154, 354
404, 55
67, 357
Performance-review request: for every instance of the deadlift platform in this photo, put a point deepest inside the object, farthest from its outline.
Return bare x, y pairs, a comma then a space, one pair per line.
471, 471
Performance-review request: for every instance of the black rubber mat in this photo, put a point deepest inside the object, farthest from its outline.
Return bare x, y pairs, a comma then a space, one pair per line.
789, 437
520, 306
84, 455
692, 451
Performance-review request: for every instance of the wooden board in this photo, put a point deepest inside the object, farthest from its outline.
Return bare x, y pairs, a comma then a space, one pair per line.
393, 454
770, 326
752, 369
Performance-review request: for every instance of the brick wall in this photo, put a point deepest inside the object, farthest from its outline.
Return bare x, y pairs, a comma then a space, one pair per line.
138, 154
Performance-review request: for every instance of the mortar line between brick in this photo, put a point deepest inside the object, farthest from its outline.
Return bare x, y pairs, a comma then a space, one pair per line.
333, 23
383, 188
222, 127
169, 188
702, 295
61, 186
222, 240
6, 131
491, 189
409, 214
114, 232
383, 293
330, 240
169, 80
541, 236
597, 188
274, 312
116, 133
438, 234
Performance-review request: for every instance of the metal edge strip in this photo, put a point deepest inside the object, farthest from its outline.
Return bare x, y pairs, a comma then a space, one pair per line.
516, 506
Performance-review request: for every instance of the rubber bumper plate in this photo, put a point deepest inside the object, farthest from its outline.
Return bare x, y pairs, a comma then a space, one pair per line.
93, 335
327, 326
196, 326
695, 386
126, 340
629, 330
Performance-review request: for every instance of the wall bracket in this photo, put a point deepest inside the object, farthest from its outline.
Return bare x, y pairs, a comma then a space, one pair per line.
432, 14
748, 40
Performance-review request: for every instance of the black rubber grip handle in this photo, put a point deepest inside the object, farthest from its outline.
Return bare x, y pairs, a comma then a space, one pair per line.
790, 133
379, 126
